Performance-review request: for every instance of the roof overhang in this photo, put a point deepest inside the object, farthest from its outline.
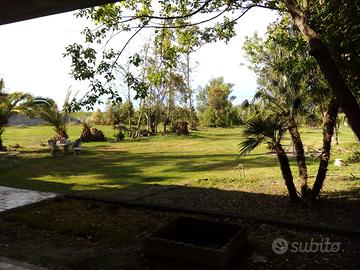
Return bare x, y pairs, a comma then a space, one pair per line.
20, 10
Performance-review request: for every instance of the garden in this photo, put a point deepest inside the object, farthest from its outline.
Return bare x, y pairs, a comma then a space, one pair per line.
144, 170
130, 187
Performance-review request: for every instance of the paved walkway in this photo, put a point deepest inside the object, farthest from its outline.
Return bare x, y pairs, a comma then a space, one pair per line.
9, 264
14, 197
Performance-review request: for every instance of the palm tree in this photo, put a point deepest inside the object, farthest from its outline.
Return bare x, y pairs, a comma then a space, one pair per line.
12, 103
2, 86
287, 100
49, 111
270, 130
58, 118
1, 143
328, 130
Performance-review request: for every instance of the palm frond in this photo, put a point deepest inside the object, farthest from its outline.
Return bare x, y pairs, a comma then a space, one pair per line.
48, 111
2, 84
259, 129
248, 145
44, 101
16, 102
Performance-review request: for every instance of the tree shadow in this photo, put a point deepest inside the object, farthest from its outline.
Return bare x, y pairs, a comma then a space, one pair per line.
118, 177
217, 136
117, 167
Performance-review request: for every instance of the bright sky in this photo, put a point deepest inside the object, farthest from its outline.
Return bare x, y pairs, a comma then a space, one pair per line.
31, 56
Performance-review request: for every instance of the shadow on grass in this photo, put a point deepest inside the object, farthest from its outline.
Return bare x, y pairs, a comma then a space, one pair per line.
112, 166
217, 136
333, 210
118, 175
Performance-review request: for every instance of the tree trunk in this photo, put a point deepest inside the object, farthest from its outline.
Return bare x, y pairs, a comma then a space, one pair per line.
1, 144
286, 172
328, 67
328, 131
61, 134
337, 134
356, 138
156, 123
129, 123
137, 132
189, 89
165, 124
300, 155
1, 133
138, 124
153, 124
339, 89
147, 115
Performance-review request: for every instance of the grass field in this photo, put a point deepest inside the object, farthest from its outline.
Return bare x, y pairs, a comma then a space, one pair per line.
73, 233
206, 158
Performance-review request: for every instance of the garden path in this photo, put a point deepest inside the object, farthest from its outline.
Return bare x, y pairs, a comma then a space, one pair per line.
15, 197
9, 264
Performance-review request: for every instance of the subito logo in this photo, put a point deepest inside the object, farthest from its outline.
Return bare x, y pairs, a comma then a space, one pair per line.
280, 246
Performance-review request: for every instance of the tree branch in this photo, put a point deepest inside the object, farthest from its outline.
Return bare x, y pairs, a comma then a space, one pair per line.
306, 8
126, 44
175, 17
300, 20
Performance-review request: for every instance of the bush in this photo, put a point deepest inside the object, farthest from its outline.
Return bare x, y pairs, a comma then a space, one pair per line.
144, 133
120, 136
173, 127
354, 158
90, 134
97, 135
182, 128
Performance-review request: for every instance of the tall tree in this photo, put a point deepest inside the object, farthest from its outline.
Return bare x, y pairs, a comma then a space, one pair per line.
286, 74
189, 42
301, 12
328, 131
214, 102
282, 67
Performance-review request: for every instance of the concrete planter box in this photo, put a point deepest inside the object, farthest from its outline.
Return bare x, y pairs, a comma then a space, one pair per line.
197, 241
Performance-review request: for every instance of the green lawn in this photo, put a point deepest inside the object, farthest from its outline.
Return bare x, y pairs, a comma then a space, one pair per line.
205, 158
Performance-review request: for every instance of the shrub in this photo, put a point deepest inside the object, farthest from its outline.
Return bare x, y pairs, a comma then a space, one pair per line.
194, 121
97, 135
120, 136
144, 132
173, 127
354, 158
182, 128
90, 134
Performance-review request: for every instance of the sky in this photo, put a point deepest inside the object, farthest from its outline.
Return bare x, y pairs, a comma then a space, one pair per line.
31, 56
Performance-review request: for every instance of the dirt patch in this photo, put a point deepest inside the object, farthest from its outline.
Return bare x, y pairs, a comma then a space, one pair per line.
80, 234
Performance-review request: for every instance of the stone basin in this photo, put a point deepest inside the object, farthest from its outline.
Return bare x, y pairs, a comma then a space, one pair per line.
197, 241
